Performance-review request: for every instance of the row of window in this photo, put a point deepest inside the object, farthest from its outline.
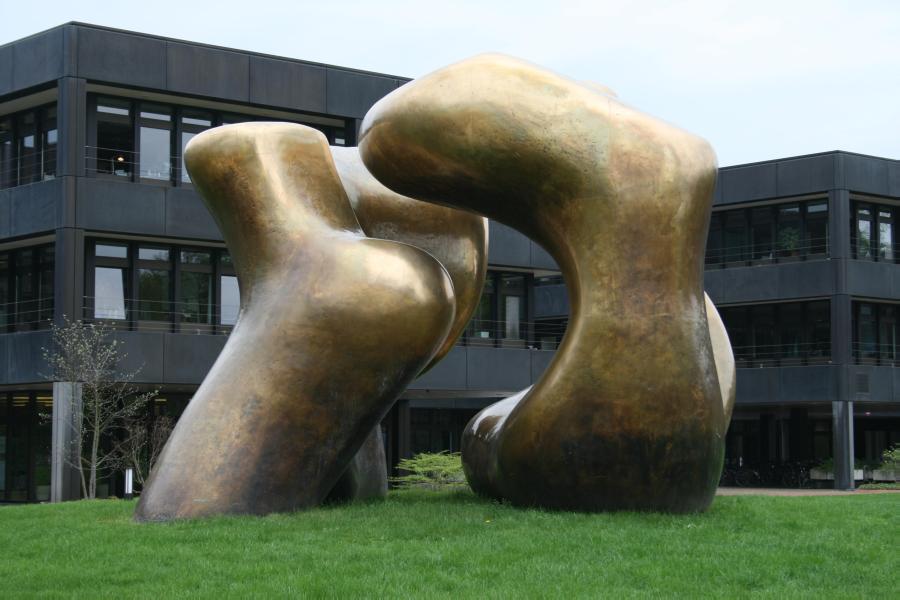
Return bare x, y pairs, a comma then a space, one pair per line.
766, 234
791, 333
25, 446
26, 288
872, 235
146, 140
500, 317
28, 142
875, 333
151, 286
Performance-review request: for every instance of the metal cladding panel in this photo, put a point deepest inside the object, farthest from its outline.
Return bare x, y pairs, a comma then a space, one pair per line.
285, 84
872, 279
121, 206
6, 69
757, 386
208, 72
38, 59
498, 368
36, 207
805, 175
540, 360
551, 301
188, 357
807, 384
541, 259
350, 94
5, 220
449, 374
742, 184
506, 246
865, 174
144, 352
770, 282
188, 217
872, 383
121, 58
25, 356
893, 172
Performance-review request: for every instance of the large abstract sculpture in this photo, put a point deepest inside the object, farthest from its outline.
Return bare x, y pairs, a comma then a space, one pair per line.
631, 414
333, 326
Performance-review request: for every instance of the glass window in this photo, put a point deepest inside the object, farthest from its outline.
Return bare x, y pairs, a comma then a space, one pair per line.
790, 328
866, 332
8, 167
115, 137
734, 235
885, 234
818, 327
512, 306
5, 296
111, 250
29, 159
817, 227
192, 123
25, 288
191, 257
46, 260
156, 142
49, 141
159, 254
761, 233
765, 344
863, 232
109, 293
714, 240
481, 327
153, 295
231, 299
788, 237
735, 320
887, 333
195, 297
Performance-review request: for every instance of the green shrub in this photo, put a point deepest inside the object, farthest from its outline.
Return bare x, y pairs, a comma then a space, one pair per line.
890, 460
435, 471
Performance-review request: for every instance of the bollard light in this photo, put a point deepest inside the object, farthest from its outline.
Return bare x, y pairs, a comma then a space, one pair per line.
129, 483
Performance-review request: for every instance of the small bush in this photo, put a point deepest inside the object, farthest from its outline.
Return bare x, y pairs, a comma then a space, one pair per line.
890, 460
434, 471
881, 486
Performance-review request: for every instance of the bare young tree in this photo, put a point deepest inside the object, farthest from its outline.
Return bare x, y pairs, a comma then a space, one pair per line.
142, 443
87, 353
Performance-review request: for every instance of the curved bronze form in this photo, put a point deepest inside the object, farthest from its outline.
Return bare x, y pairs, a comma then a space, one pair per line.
333, 327
458, 239
630, 413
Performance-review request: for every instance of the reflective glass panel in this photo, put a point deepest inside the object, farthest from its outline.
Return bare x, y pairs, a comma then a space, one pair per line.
109, 293
761, 231
817, 227
788, 239
885, 234
8, 167
29, 161
195, 297
115, 137
153, 295
190, 257
161, 254
155, 153
231, 299
49, 142
863, 233
866, 333
111, 251
887, 332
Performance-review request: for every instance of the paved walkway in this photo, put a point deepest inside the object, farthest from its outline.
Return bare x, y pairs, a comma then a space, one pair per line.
748, 491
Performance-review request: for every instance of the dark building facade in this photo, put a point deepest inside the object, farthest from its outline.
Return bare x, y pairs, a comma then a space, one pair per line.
99, 221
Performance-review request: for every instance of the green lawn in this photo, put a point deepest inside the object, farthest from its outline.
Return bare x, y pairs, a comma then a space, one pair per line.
452, 544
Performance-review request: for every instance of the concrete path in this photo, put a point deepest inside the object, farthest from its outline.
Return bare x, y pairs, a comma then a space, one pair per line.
748, 491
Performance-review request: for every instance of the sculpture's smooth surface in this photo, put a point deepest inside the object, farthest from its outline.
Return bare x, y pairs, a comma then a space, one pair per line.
630, 414
458, 239
333, 326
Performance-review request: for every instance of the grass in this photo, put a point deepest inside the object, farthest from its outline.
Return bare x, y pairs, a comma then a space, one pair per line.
452, 544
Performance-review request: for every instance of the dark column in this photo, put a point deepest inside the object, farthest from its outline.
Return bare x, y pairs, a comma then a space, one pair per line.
68, 275
841, 337
71, 112
842, 429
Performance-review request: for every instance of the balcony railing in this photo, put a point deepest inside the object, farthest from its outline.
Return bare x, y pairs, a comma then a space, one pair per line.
886, 355
782, 355
762, 254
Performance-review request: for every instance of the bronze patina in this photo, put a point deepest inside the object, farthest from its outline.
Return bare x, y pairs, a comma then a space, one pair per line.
333, 326
458, 239
631, 413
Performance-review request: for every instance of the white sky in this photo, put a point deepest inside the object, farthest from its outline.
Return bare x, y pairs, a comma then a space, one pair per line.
760, 79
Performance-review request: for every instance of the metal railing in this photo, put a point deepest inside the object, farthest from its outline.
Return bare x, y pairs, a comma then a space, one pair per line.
747, 254
865, 353
782, 355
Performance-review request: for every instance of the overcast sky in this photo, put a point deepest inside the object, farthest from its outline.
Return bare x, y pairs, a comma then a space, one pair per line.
760, 79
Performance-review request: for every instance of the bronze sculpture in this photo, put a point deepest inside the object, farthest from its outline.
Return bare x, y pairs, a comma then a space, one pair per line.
333, 325
631, 413
278, 418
